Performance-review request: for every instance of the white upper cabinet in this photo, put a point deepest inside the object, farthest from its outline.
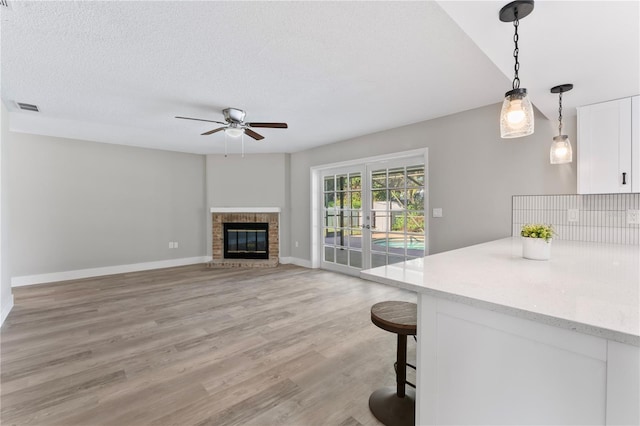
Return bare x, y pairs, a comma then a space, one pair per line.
609, 147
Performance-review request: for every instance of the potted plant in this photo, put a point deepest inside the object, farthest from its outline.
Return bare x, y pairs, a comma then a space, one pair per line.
536, 241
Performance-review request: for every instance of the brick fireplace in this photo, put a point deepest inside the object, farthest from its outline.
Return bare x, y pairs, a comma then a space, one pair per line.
249, 216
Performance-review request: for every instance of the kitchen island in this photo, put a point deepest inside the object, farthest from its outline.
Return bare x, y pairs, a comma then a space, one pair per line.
506, 340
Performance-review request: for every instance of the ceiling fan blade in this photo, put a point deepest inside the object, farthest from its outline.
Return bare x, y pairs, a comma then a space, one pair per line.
210, 132
200, 119
270, 125
253, 134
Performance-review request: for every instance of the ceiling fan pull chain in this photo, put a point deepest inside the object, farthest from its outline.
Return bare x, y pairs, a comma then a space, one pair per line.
225, 145
243, 145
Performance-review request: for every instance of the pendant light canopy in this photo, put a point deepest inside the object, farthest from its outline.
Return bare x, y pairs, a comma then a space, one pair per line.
561, 152
516, 117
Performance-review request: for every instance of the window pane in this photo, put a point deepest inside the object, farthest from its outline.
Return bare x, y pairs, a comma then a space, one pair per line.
342, 200
356, 222
355, 259
380, 221
378, 260
329, 255
415, 199
396, 244
341, 183
379, 243
398, 221
397, 198
342, 237
330, 218
329, 183
329, 236
415, 222
379, 179
329, 200
355, 181
396, 178
355, 198
342, 256
415, 176
379, 200
355, 239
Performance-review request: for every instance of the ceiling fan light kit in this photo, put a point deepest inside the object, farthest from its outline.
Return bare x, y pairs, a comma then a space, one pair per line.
235, 125
516, 117
561, 152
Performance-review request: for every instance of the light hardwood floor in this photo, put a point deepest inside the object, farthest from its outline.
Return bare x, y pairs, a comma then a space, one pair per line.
197, 346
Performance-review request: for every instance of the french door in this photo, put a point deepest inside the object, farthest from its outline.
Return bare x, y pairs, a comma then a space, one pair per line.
373, 214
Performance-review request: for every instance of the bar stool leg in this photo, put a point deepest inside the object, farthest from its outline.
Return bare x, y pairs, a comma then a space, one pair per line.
401, 358
395, 406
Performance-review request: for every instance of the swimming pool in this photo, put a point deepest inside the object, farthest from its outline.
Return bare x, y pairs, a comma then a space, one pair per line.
413, 243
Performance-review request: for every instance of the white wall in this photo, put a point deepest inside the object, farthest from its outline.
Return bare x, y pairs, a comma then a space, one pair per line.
6, 298
472, 174
256, 180
77, 204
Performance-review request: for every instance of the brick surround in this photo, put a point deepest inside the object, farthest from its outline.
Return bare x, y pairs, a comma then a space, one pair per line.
218, 219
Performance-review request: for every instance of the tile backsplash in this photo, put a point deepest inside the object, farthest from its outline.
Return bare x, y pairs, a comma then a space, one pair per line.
596, 218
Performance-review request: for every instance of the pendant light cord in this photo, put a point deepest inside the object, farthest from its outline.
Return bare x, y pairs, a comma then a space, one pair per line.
516, 67
560, 115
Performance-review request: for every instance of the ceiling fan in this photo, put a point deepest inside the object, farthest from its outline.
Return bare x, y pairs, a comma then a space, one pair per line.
236, 126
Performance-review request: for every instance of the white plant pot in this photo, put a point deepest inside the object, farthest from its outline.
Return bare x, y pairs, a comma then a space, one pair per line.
536, 248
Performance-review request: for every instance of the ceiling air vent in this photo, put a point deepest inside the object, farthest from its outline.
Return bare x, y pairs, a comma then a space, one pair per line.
27, 107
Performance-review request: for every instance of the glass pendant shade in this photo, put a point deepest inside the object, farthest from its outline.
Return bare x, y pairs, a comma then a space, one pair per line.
561, 152
516, 117
234, 132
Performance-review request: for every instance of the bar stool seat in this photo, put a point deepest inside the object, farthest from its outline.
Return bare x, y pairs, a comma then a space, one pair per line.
395, 406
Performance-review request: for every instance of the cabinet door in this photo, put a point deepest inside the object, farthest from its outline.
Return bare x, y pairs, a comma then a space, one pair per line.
635, 144
604, 147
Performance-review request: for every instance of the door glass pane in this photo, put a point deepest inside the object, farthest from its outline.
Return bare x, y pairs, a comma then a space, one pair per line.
329, 255
396, 178
355, 181
342, 256
355, 259
355, 238
415, 177
397, 199
341, 183
329, 184
378, 260
398, 221
379, 243
379, 179
329, 200
379, 200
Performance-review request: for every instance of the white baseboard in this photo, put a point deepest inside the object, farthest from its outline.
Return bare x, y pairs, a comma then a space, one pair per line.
296, 261
107, 270
7, 305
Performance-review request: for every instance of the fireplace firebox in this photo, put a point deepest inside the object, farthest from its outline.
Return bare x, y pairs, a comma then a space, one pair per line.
246, 240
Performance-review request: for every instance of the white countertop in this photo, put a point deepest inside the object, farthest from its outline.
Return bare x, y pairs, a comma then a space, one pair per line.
591, 288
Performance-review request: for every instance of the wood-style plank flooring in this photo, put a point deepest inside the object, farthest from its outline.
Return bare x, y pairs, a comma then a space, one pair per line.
197, 346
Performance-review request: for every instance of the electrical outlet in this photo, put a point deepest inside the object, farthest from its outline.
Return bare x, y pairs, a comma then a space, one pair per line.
296, 244
437, 212
175, 244
170, 244
573, 215
633, 217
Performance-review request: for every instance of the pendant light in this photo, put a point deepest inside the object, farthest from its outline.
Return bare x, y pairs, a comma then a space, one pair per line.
516, 117
561, 152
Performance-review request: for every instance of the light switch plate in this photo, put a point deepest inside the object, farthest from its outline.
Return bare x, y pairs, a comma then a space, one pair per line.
437, 212
573, 215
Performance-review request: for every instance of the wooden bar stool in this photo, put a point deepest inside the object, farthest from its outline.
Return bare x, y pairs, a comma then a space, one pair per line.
395, 406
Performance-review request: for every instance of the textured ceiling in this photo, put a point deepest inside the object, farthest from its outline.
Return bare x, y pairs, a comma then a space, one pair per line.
118, 72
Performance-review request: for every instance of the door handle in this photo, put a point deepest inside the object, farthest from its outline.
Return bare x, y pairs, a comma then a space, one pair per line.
624, 178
